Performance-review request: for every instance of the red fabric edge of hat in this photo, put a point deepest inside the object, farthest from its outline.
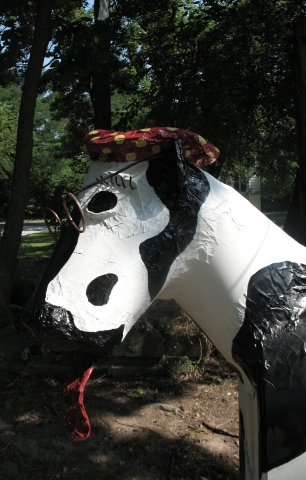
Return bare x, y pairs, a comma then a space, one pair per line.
121, 147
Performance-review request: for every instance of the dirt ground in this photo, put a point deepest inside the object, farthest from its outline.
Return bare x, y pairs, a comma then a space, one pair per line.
177, 421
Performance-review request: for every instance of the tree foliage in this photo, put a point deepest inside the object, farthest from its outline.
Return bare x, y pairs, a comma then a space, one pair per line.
57, 164
10, 240
223, 69
57, 131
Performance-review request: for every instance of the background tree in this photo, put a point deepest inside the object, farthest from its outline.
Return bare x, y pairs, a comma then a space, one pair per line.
12, 233
41, 35
101, 89
9, 107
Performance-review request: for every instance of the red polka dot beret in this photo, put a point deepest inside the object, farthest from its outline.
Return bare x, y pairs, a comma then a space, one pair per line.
121, 147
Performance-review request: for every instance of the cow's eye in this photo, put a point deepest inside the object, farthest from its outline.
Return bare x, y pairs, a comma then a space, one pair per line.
101, 202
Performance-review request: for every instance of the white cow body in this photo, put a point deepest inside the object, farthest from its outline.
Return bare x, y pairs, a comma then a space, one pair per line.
233, 241
209, 279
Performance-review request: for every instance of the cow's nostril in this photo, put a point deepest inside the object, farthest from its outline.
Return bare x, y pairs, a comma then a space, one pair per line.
99, 289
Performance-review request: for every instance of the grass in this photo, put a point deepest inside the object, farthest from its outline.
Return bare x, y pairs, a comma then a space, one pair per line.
37, 245
34, 253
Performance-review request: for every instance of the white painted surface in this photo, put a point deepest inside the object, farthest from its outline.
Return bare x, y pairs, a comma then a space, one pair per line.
110, 244
233, 240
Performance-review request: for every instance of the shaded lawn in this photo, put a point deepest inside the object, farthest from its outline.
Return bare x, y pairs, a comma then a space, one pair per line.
37, 246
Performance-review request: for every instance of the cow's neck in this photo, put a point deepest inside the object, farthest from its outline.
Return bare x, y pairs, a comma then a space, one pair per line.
210, 278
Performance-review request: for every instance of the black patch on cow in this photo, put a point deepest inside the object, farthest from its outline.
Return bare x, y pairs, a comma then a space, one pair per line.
99, 289
182, 188
102, 202
54, 327
271, 349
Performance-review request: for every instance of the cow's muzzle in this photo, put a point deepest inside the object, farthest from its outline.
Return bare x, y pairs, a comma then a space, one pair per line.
54, 327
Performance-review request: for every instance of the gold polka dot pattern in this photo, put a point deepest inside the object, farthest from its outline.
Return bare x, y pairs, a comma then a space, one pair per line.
119, 139
141, 142
121, 147
131, 157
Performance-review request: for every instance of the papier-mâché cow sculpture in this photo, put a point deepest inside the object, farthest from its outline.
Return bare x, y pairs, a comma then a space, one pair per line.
162, 228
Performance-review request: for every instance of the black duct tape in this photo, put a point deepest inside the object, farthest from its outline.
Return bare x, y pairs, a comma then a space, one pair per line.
271, 349
182, 188
54, 327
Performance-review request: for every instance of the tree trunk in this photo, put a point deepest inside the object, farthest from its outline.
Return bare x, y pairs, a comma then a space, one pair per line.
300, 100
11, 239
101, 75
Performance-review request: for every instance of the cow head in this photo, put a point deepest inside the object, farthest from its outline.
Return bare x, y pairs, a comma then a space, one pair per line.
99, 282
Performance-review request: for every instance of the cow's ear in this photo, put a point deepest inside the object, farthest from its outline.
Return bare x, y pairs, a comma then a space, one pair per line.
180, 164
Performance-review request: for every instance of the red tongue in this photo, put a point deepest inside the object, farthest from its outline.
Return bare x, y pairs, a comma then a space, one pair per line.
77, 417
